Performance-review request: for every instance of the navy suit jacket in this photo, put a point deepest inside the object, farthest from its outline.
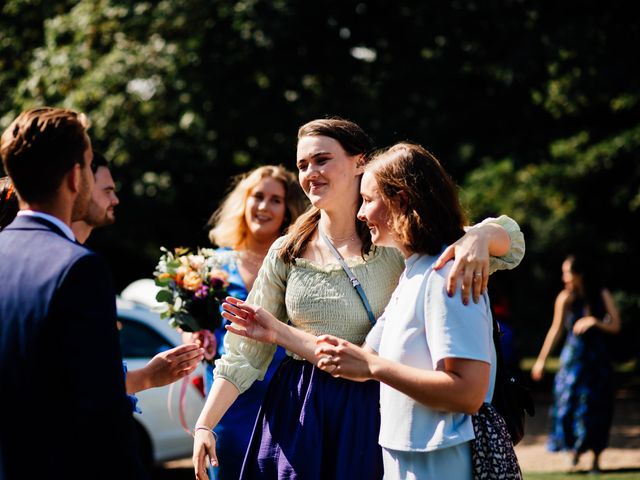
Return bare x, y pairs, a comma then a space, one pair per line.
63, 408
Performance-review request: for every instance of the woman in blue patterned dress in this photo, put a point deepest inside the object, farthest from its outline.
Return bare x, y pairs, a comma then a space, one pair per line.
582, 409
256, 212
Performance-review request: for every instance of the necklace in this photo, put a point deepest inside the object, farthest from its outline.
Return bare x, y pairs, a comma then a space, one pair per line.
251, 259
340, 240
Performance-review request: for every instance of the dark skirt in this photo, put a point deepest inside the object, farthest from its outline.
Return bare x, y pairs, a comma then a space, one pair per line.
312, 426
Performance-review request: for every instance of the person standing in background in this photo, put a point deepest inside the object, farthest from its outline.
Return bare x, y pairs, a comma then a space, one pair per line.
9, 206
582, 409
258, 210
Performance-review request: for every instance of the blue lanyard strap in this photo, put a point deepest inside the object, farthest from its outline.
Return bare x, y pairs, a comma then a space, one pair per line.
354, 280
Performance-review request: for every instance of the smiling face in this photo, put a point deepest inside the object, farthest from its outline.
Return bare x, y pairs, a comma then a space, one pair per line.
327, 174
375, 213
265, 209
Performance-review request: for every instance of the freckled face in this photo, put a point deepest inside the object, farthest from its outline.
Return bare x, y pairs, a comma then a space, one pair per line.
265, 209
375, 213
327, 174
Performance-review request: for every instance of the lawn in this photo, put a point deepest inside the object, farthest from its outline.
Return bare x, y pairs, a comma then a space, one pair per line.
629, 475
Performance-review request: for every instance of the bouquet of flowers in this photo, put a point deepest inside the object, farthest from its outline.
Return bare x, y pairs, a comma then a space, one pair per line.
192, 286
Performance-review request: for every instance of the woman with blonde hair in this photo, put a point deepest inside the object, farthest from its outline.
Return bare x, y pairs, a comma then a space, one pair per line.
257, 210
311, 425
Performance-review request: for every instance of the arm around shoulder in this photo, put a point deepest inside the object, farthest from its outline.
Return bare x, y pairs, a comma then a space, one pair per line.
507, 245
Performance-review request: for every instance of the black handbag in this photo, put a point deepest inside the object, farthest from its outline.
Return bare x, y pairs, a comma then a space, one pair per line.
511, 397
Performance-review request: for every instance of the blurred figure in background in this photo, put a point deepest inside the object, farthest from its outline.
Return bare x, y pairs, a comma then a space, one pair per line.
501, 310
261, 206
8, 202
582, 408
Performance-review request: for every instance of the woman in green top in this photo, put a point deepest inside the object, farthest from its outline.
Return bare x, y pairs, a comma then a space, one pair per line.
311, 425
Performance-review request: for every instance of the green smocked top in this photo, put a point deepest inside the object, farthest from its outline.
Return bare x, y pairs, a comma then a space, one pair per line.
319, 299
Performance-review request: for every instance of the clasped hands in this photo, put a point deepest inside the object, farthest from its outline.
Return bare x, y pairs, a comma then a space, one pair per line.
335, 356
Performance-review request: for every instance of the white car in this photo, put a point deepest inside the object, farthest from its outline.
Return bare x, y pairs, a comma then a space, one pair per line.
142, 335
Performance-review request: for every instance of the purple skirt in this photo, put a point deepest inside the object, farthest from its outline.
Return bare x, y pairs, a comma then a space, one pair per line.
312, 426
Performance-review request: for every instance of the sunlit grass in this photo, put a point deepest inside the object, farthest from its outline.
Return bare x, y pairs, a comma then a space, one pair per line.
579, 475
553, 363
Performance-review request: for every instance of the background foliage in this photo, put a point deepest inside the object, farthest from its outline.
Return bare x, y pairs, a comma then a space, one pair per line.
533, 106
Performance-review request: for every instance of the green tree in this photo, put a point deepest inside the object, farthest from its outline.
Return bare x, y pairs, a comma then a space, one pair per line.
532, 106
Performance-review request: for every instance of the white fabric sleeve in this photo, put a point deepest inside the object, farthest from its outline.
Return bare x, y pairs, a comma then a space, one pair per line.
455, 330
516, 253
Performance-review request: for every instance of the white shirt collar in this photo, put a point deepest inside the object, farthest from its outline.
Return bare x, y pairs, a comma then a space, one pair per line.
55, 220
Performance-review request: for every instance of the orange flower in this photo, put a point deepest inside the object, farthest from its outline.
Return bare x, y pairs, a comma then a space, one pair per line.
180, 273
191, 281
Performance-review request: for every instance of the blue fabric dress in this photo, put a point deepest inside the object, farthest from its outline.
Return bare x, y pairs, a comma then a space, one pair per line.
235, 427
582, 411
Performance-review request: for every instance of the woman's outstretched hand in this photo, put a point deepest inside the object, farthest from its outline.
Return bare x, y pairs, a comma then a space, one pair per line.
250, 321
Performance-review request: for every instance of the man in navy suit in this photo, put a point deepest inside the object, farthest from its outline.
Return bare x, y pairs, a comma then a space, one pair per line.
63, 409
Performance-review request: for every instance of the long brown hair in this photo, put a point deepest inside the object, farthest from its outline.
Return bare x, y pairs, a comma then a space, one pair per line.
354, 141
582, 264
422, 198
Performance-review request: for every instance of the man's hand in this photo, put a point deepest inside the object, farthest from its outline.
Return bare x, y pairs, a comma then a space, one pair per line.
171, 365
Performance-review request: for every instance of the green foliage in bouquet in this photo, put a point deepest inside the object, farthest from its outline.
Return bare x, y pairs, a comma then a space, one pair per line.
192, 286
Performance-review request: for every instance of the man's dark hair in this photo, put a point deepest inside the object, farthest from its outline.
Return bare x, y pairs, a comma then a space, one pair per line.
99, 160
40, 147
